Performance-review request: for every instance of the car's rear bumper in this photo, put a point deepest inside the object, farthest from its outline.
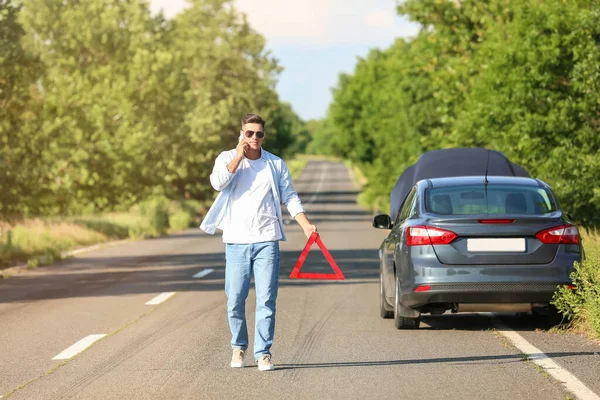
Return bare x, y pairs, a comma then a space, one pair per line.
480, 293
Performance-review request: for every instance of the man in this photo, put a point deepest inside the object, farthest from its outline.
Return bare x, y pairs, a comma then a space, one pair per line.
253, 184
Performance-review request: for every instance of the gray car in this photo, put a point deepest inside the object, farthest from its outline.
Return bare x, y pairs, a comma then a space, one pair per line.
476, 243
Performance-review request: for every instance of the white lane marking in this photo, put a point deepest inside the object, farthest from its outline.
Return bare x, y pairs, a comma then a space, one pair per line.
160, 298
203, 273
568, 380
321, 181
78, 347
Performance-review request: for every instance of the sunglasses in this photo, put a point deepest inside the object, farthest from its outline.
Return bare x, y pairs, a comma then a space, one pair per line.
259, 134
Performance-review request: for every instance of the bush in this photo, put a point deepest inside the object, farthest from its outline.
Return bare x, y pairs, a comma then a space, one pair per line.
138, 231
155, 211
582, 304
160, 215
180, 220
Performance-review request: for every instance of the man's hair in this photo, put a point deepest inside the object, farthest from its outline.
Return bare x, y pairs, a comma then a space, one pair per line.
253, 119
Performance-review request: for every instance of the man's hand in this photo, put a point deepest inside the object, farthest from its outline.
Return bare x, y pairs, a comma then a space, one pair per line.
241, 149
308, 230
305, 224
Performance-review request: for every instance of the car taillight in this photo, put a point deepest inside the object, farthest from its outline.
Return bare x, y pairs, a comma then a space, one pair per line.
423, 288
427, 235
496, 221
564, 234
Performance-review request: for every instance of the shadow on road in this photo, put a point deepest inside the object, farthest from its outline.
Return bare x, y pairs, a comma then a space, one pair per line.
352, 194
508, 358
173, 273
169, 273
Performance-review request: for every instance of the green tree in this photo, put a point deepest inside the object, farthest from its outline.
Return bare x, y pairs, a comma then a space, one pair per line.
505, 74
19, 116
287, 132
103, 67
320, 137
538, 100
449, 41
130, 105
229, 74
380, 114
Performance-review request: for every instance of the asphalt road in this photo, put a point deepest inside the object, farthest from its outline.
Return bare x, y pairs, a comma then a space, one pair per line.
330, 341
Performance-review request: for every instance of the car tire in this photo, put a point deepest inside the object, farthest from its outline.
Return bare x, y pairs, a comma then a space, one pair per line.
399, 321
385, 311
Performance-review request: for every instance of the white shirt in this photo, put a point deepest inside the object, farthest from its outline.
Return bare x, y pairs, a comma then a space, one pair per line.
224, 182
251, 210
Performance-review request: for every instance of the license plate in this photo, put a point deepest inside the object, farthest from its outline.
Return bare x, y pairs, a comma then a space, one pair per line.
511, 245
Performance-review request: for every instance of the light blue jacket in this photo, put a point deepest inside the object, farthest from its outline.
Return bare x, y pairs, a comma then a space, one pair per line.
224, 181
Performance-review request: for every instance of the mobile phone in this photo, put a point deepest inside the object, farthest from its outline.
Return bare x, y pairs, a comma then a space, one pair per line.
241, 137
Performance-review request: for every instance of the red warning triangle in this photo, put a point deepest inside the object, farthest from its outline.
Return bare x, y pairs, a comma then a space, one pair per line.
296, 274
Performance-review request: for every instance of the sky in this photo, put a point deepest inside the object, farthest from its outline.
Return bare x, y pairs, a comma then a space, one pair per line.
315, 40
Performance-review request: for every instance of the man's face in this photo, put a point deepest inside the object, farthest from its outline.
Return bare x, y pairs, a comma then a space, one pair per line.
254, 141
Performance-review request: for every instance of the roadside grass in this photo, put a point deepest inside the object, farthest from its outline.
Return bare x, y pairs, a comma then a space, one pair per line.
41, 241
365, 200
296, 166
582, 304
358, 179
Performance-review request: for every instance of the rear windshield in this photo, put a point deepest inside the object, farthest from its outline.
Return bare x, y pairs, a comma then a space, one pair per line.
497, 199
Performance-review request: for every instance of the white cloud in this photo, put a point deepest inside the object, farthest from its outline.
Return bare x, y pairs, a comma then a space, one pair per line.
317, 23
324, 23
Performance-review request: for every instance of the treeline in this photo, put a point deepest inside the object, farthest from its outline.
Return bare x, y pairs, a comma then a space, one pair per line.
518, 76
103, 104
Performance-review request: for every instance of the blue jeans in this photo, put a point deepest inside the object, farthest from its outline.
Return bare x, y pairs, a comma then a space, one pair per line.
243, 260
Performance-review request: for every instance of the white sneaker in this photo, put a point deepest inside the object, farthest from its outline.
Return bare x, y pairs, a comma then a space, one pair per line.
265, 364
238, 358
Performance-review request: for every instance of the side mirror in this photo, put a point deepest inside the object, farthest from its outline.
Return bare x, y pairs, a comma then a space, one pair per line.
382, 221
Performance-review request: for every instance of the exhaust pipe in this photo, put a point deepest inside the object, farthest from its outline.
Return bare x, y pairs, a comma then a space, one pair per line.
494, 307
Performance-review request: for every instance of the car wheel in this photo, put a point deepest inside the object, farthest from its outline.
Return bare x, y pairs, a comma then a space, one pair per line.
399, 321
385, 311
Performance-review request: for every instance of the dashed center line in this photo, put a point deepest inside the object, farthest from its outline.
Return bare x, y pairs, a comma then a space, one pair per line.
78, 347
320, 184
203, 273
160, 298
